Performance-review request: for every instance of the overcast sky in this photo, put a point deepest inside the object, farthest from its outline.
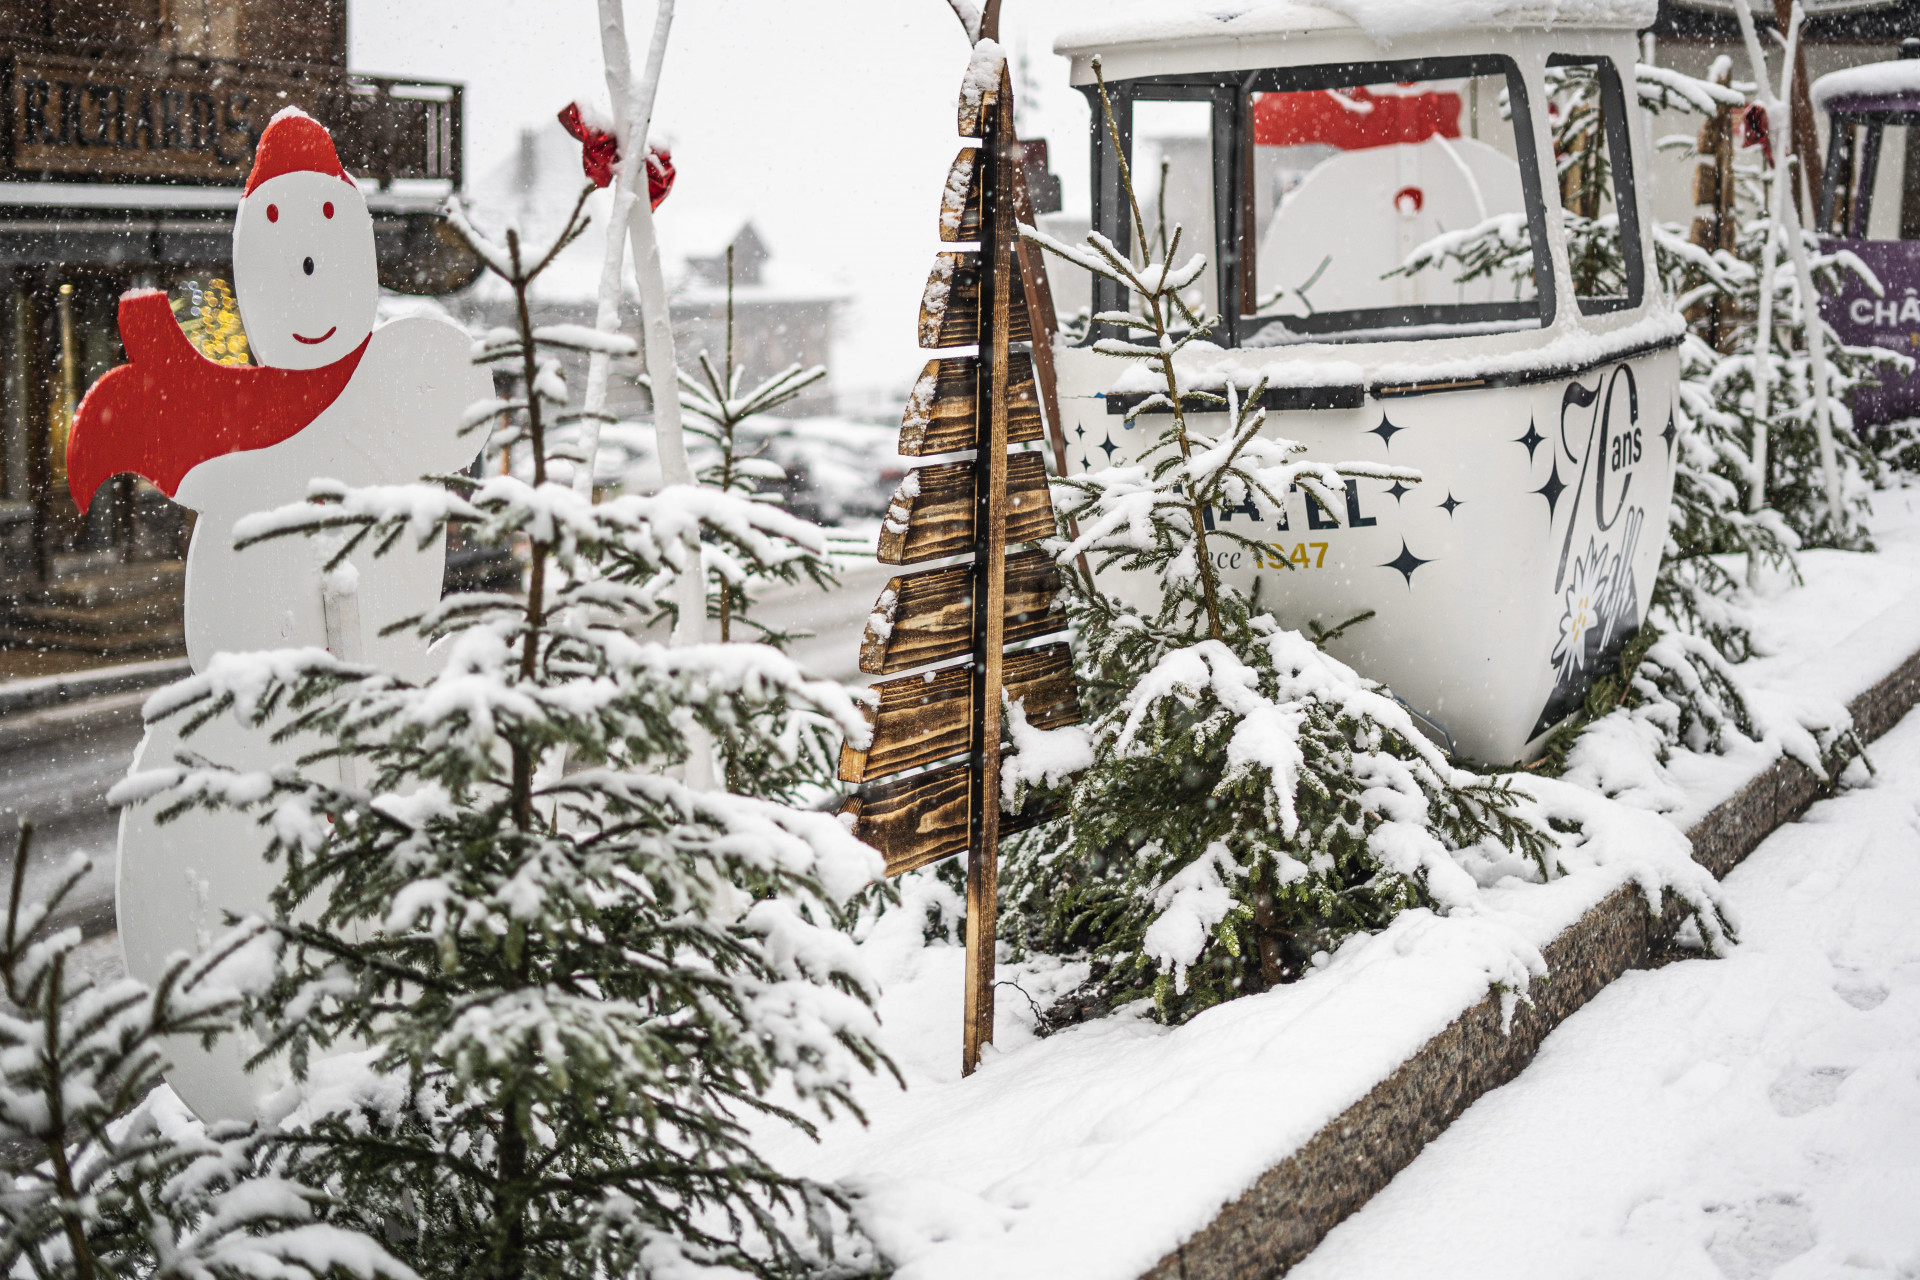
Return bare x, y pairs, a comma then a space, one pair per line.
830, 123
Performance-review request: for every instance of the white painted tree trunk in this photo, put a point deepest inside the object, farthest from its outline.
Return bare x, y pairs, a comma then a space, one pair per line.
632, 218
1784, 217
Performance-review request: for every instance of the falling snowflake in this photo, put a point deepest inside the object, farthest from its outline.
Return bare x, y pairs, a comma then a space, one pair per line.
1585, 590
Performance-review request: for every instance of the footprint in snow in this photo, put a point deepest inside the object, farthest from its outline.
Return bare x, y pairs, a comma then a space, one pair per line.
1860, 990
1753, 1240
1806, 1089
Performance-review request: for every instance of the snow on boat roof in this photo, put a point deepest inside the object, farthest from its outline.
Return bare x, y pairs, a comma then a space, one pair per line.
1885, 86
1154, 21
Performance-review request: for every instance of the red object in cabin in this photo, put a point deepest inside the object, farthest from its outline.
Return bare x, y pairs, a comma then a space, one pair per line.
1353, 119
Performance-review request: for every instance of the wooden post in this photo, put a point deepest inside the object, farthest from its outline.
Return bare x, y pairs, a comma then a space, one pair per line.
999, 162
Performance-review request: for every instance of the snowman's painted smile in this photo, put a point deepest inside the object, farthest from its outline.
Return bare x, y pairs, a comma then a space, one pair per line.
314, 342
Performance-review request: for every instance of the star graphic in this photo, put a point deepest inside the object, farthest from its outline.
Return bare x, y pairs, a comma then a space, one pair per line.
1533, 440
1670, 434
1084, 464
1386, 430
1398, 490
1110, 447
1406, 562
1451, 502
1080, 431
1552, 489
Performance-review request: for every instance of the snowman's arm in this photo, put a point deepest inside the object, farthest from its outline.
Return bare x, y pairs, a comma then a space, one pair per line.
148, 330
438, 382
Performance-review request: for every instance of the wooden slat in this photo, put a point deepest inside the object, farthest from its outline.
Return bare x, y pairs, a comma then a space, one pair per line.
922, 720
940, 412
915, 821
973, 114
928, 617
950, 304
922, 819
1042, 679
960, 199
931, 514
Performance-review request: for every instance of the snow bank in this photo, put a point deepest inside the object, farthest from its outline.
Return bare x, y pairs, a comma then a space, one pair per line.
1034, 1166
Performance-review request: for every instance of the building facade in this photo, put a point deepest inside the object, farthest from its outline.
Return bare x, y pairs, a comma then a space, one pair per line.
127, 132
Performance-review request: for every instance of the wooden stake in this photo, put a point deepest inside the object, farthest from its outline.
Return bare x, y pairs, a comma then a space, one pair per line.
1045, 323
989, 568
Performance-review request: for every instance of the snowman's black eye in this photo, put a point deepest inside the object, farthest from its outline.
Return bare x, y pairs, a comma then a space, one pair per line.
307, 266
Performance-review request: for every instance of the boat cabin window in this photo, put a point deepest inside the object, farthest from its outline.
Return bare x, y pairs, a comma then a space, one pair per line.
1593, 165
1172, 165
1337, 203
1872, 186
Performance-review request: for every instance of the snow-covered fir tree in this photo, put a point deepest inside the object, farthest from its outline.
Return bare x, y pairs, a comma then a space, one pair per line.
103, 1173
1247, 801
719, 410
539, 1011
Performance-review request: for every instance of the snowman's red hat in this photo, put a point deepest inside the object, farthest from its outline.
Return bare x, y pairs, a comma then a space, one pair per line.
294, 143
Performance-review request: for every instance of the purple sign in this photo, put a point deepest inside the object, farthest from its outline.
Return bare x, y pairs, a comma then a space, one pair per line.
1891, 321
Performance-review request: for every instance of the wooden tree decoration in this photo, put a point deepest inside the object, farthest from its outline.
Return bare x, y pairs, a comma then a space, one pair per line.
930, 780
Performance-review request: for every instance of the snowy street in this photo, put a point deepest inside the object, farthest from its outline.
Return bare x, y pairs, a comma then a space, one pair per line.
1748, 1117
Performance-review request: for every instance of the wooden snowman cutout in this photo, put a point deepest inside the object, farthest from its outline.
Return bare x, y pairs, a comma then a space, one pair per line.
333, 397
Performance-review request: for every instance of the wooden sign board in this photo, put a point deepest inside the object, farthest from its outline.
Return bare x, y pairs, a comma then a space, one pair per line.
929, 778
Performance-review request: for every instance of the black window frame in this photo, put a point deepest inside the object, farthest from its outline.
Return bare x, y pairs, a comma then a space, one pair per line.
1842, 163
1626, 192
1231, 92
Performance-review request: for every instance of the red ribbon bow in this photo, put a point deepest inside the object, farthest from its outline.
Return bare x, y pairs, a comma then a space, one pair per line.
600, 151
1754, 132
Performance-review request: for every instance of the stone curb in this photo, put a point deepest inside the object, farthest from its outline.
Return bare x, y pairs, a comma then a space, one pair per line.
1294, 1204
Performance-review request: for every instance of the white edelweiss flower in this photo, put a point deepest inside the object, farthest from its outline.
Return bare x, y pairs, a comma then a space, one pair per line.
1585, 589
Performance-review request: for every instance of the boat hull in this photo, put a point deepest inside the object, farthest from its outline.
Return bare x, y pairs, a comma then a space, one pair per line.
1501, 585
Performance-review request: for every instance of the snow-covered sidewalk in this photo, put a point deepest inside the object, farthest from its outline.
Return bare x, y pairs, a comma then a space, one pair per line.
1747, 1117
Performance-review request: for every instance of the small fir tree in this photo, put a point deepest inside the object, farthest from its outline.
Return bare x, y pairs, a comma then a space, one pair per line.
737, 461
579, 991
720, 413
105, 1174
1248, 801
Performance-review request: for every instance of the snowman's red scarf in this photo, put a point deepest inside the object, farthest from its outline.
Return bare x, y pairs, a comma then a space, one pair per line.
170, 408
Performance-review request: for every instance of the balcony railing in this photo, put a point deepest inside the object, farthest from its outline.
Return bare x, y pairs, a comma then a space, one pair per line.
71, 117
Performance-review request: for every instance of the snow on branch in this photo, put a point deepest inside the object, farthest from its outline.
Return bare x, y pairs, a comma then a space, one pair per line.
1657, 85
